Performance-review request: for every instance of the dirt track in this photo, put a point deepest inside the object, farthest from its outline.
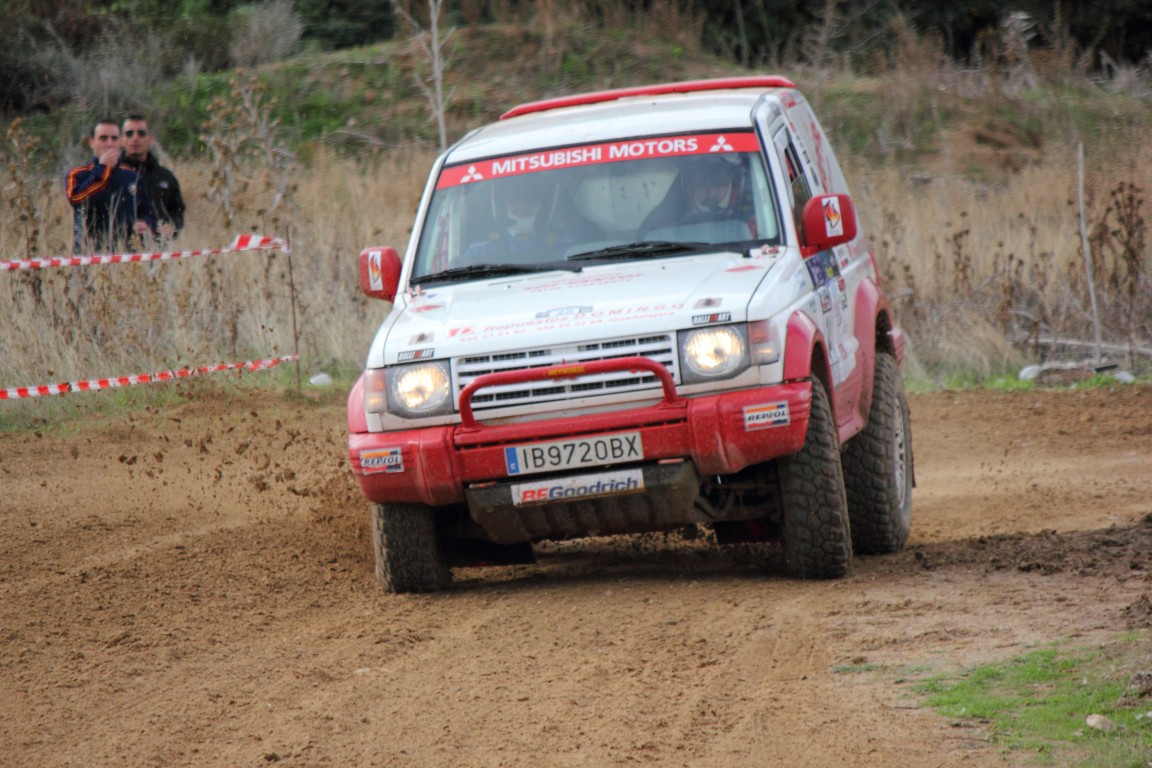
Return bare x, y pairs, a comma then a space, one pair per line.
194, 587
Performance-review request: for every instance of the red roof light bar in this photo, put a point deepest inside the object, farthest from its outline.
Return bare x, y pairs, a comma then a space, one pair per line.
688, 86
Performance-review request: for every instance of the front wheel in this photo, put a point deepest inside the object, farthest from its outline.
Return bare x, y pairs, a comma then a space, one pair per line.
409, 555
878, 467
815, 516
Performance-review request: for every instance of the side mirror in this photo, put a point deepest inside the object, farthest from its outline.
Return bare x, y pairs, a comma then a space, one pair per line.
827, 221
379, 273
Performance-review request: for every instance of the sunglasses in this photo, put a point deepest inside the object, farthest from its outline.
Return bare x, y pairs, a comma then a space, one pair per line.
141, 133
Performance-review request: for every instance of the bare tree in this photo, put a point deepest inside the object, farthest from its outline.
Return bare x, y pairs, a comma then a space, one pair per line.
431, 43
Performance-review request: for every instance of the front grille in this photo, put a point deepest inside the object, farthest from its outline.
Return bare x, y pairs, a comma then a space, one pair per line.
661, 348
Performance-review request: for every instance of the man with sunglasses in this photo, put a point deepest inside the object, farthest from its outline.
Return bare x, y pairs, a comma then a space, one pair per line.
110, 206
161, 184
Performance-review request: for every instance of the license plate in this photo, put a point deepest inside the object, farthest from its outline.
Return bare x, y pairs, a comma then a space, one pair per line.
568, 454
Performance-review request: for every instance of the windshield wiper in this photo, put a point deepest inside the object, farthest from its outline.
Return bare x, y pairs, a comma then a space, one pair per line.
644, 249
490, 270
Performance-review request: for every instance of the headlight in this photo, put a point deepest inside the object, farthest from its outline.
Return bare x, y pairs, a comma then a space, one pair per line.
717, 352
420, 389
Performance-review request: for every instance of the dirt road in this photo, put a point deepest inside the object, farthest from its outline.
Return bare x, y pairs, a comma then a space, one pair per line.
194, 587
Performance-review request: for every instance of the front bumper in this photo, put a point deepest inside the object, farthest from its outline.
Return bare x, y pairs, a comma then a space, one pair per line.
719, 434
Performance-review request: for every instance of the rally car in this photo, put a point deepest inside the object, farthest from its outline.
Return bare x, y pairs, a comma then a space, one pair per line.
633, 310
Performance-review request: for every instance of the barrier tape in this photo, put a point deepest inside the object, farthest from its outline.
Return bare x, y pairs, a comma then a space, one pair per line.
140, 378
241, 243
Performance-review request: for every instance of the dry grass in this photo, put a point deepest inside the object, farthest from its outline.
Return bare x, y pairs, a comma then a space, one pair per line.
75, 323
981, 273
977, 272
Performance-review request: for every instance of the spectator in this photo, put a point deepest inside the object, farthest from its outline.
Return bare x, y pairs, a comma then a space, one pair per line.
109, 207
163, 189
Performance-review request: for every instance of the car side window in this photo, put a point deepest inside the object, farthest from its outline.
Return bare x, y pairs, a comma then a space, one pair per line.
801, 192
798, 186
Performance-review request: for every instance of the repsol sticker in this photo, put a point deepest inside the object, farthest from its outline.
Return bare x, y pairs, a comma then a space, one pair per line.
583, 486
376, 460
766, 416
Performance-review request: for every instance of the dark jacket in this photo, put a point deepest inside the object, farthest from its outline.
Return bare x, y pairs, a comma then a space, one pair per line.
167, 202
107, 202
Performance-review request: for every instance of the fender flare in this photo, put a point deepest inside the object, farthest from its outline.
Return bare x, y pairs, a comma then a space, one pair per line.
876, 332
804, 346
868, 300
357, 420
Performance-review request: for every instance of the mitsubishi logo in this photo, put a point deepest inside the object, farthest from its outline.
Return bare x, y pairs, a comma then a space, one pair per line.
722, 145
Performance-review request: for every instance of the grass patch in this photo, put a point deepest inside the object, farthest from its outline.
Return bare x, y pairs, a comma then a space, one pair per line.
1038, 704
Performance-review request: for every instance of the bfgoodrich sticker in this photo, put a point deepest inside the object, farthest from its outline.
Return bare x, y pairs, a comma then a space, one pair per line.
766, 416
584, 486
381, 460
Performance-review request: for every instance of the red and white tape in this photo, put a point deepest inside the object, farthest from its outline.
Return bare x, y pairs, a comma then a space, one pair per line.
241, 243
15, 393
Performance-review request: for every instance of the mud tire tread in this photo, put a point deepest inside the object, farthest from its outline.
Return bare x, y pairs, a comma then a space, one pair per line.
816, 536
409, 555
878, 468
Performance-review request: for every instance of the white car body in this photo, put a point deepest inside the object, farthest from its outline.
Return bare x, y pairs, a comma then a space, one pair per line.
740, 308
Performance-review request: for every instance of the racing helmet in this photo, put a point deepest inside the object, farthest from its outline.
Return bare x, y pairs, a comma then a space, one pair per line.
713, 183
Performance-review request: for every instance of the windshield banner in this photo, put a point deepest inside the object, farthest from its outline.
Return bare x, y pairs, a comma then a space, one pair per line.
593, 154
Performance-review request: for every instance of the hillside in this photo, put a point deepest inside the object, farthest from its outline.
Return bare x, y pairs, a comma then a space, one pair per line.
916, 108
963, 177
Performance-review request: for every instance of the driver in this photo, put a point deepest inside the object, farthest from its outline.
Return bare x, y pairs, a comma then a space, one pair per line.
522, 208
706, 189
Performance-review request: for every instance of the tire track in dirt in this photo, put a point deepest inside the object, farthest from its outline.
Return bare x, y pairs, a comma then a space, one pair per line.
222, 611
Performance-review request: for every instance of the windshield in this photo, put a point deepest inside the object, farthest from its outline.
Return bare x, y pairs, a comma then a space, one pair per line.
600, 201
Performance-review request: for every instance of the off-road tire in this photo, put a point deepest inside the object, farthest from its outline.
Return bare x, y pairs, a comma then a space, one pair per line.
817, 540
878, 468
409, 556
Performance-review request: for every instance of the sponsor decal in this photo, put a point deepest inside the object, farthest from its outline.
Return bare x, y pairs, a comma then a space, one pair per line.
375, 271
536, 324
417, 354
823, 165
823, 268
748, 268
719, 317
377, 460
563, 312
426, 307
825, 299
595, 154
568, 370
766, 416
833, 223
581, 487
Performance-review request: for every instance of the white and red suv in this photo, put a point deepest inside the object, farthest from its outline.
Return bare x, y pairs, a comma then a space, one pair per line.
626, 311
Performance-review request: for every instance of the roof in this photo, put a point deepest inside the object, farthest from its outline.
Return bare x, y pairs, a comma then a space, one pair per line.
687, 86
691, 106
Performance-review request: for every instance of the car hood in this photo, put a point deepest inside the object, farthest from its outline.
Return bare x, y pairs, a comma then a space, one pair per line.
603, 301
